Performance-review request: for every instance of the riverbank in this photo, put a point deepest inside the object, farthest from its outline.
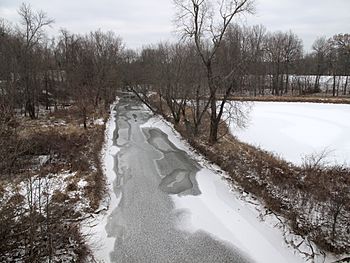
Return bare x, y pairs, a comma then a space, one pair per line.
55, 181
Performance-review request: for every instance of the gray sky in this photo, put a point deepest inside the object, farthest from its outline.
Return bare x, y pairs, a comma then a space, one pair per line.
141, 22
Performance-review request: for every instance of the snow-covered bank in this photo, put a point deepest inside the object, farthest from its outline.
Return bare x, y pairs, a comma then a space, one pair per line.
221, 213
230, 216
295, 130
95, 226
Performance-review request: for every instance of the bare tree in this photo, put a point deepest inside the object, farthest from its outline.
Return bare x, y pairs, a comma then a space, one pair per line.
341, 42
91, 65
292, 49
282, 49
172, 68
256, 38
107, 49
142, 78
321, 49
32, 33
206, 24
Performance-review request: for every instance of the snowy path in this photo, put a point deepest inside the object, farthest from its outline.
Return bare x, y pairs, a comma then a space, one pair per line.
294, 130
170, 205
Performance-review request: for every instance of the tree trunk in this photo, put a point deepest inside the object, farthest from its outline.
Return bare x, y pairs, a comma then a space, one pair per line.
84, 118
317, 82
338, 84
346, 85
47, 94
281, 85
213, 131
213, 135
335, 219
30, 108
287, 78
287, 83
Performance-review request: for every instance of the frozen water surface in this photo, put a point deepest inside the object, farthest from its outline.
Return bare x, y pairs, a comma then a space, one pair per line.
149, 170
295, 130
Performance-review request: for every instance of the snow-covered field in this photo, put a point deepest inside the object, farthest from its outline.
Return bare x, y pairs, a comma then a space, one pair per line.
296, 130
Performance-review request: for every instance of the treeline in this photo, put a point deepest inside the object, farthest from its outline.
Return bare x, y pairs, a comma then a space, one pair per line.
214, 59
36, 71
267, 63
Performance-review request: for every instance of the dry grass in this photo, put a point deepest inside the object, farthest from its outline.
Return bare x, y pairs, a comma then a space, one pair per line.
70, 146
70, 149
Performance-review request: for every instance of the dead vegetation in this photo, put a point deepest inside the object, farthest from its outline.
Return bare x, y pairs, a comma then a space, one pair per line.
51, 176
53, 100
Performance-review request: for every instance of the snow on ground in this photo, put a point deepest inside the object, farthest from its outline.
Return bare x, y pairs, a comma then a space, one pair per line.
295, 130
221, 211
95, 226
99, 121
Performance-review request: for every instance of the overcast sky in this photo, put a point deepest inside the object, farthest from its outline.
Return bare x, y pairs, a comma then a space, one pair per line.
141, 22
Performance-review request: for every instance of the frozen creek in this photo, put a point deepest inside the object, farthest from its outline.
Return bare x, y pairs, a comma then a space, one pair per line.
149, 170
168, 204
